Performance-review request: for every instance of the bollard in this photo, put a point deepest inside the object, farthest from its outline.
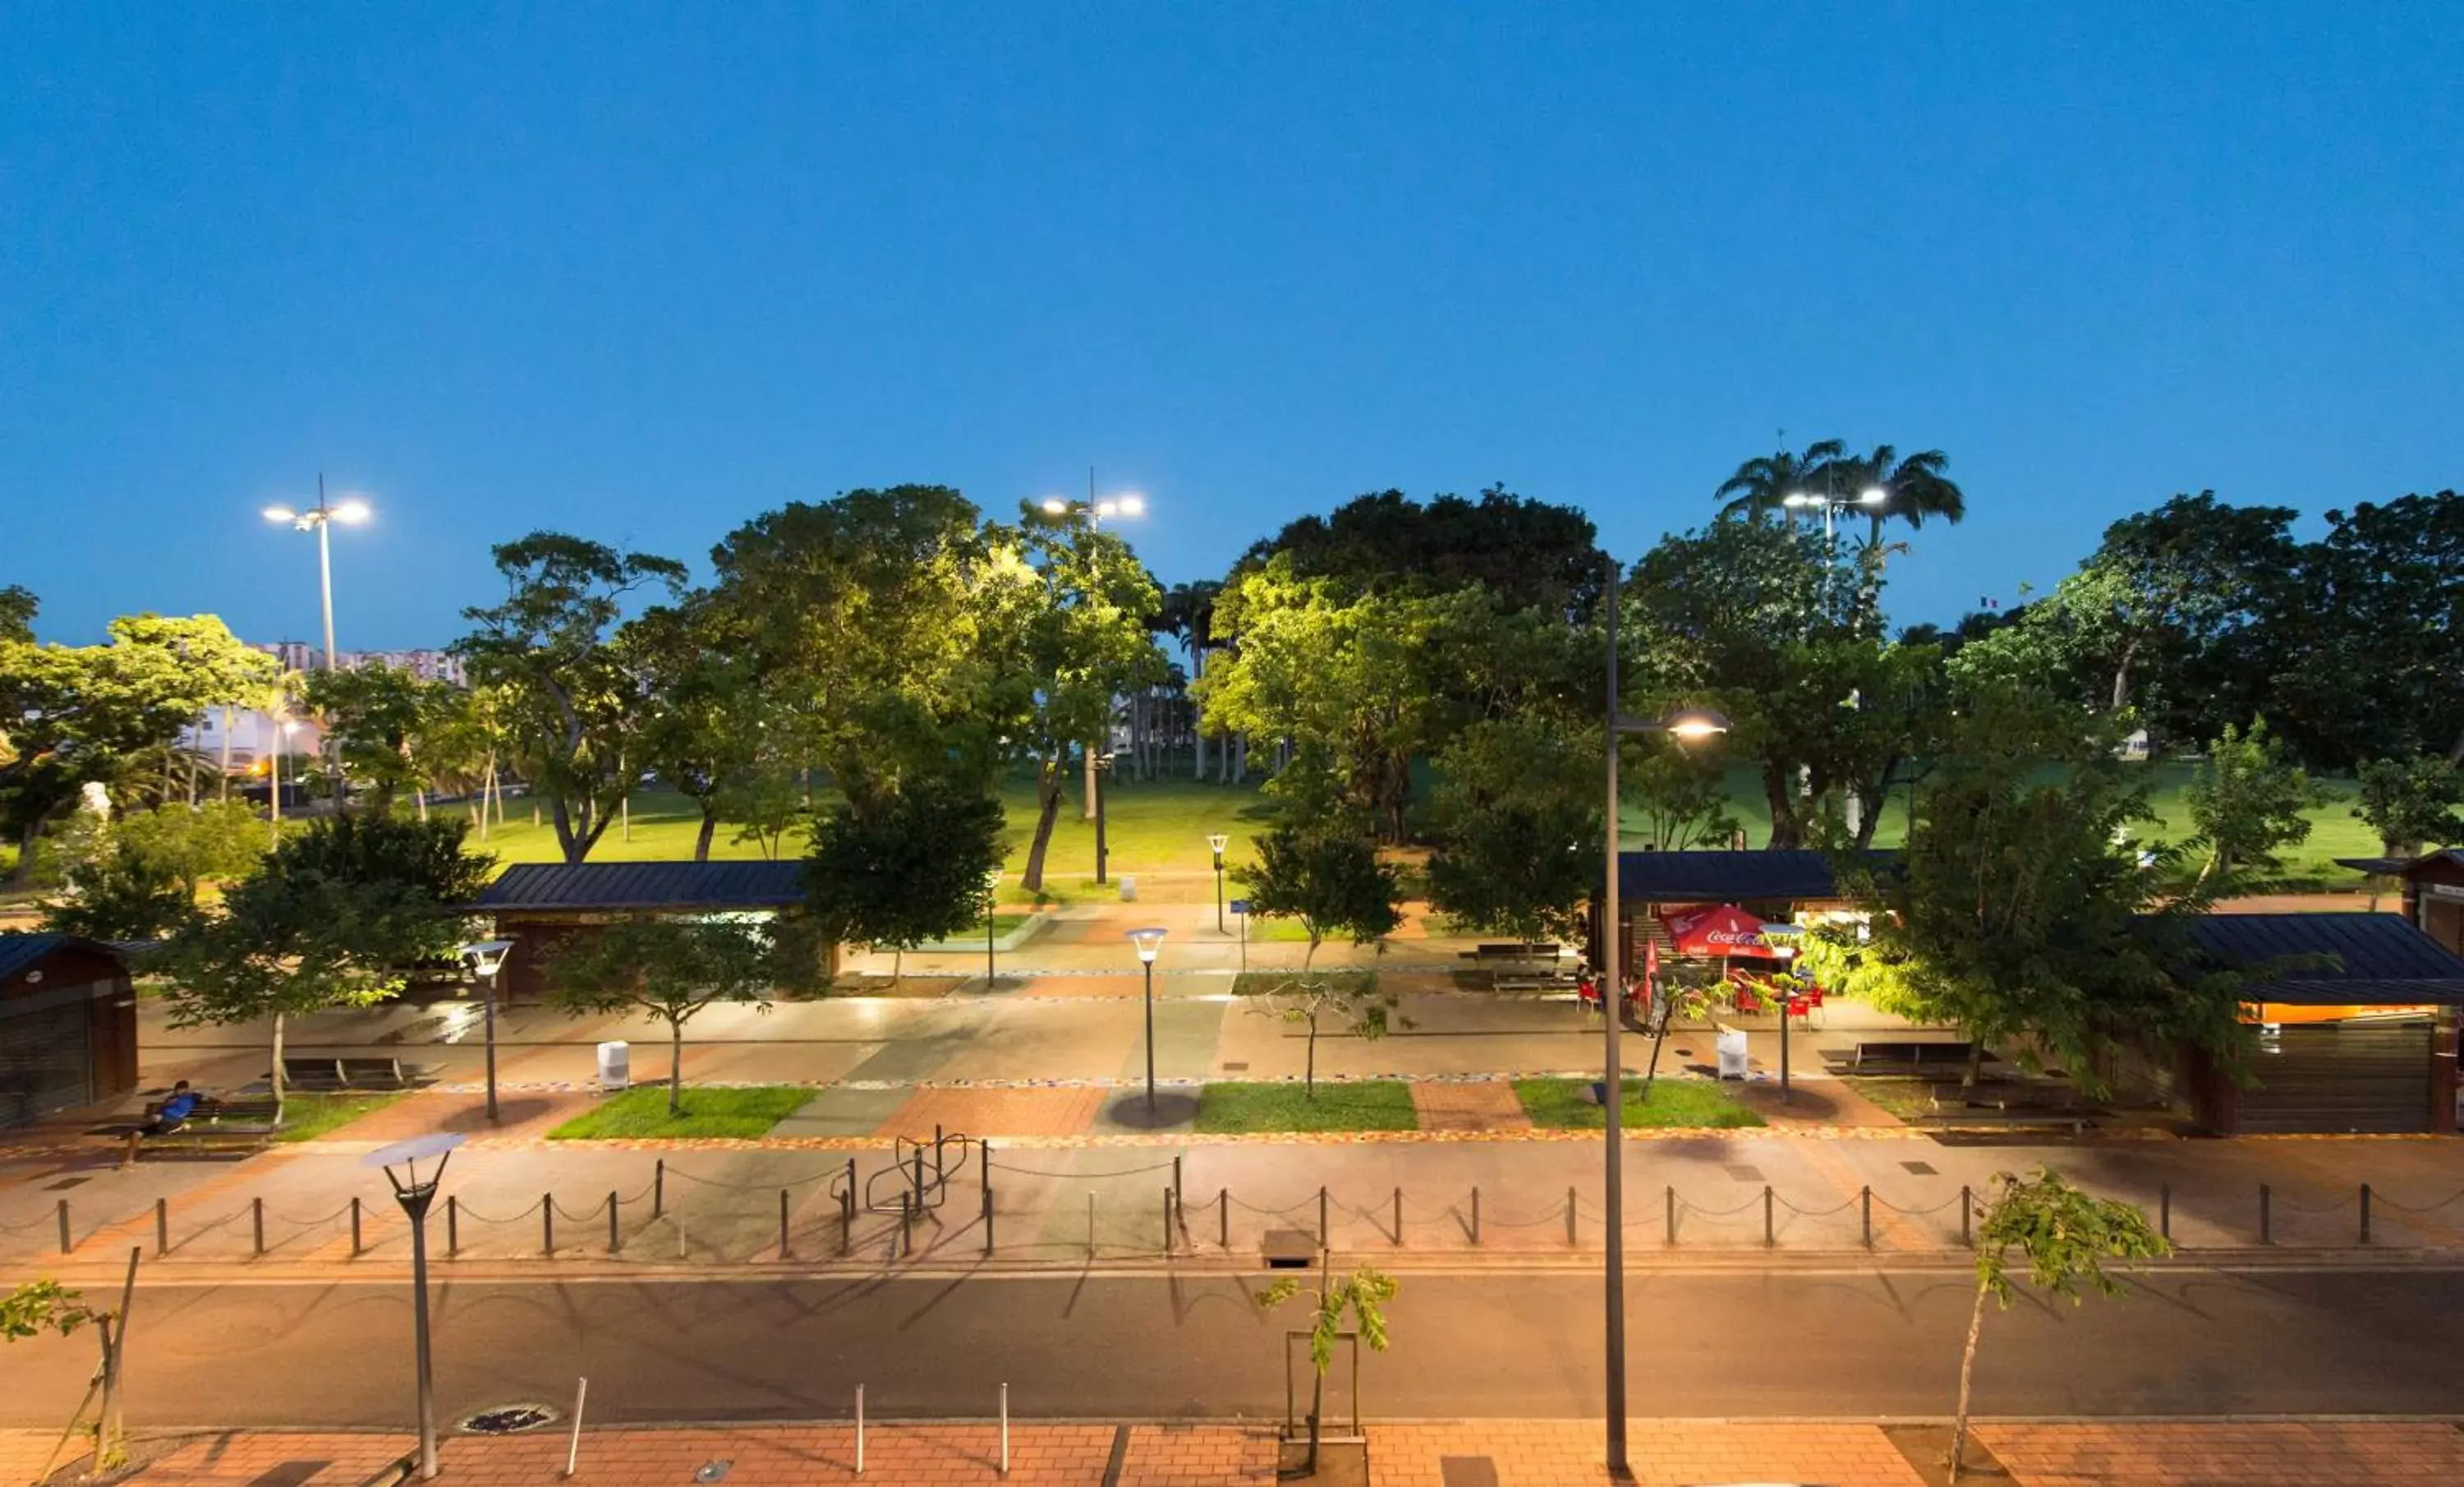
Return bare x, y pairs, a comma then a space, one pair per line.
2165, 1210
355, 1229
453, 1226
984, 1164
1865, 1201
2265, 1203
1398, 1217
988, 1221
1570, 1215
66, 1243
1175, 1181
573, 1447
1671, 1218
920, 1177
1224, 1217
547, 1225
2365, 1212
1321, 1218
1004, 1406
1769, 1237
163, 1229
256, 1222
907, 1224
939, 1174
784, 1253
659, 1188
1966, 1210
847, 1219
1167, 1219
859, 1429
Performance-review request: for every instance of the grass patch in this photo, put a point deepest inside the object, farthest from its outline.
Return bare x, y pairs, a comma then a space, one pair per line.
1266, 983
1565, 1106
1351, 1105
1910, 1099
305, 1117
643, 1110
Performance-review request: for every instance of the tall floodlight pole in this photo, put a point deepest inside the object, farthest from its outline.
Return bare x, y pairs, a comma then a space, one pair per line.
319, 519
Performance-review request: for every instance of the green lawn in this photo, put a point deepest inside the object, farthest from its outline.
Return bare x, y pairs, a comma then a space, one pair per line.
305, 1117
1264, 983
1567, 1106
1355, 1106
643, 1110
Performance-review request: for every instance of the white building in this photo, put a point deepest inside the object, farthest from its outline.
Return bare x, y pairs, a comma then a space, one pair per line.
253, 736
426, 665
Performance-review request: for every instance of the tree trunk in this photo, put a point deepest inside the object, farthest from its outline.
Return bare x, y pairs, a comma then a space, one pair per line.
275, 1079
28, 842
1317, 1416
1086, 810
675, 1068
420, 794
1975, 1069
708, 826
1047, 800
2122, 676
1967, 1369
1778, 793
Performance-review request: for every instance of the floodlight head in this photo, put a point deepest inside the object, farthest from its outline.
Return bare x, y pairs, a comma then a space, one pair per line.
1800, 498
1131, 504
279, 513
1216, 841
1694, 722
1149, 942
1055, 506
1108, 508
352, 512
1873, 495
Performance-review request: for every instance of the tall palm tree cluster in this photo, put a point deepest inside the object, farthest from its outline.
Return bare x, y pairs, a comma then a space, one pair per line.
1912, 488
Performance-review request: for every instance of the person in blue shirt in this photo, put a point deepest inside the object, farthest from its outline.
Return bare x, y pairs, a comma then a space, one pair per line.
175, 1111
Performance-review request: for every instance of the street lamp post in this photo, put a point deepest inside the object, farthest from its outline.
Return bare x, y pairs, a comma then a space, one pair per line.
415, 1193
1216, 842
1689, 724
486, 959
1095, 511
1098, 765
1866, 499
319, 519
992, 884
1149, 942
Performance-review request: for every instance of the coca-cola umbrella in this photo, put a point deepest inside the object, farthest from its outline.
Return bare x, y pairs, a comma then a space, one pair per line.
1720, 929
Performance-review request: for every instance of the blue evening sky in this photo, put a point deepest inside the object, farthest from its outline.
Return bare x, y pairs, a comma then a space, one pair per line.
640, 271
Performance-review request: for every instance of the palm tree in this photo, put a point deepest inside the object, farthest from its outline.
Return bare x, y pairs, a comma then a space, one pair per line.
1189, 616
1763, 484
1913, 489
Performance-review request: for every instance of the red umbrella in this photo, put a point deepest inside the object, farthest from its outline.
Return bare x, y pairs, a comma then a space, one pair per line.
1718, 929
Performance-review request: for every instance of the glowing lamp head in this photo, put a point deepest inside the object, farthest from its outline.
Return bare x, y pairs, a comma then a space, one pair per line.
1694, 722
352, 512
1873, 495
1148, 942
280, 514
1055, 506
1799, 499
1130, 506
1216, 841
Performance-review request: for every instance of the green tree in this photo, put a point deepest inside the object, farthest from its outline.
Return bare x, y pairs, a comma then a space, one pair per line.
97, 714
2065, 1238
1362, 1297
1915, 489
2250, 803
671, 969
2412, 802
2367, 666
709, 723
1328, 879
115, 891
1681, 793
1350, 1004
336, 916
904, 867
572, 703
40, 1306
2019, 908
1763, 484
1068, 605
382, 722
1529, 554
1516, 818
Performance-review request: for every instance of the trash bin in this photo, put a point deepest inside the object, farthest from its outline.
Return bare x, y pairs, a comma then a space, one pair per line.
615, 1066
1128, 888
1732, 1052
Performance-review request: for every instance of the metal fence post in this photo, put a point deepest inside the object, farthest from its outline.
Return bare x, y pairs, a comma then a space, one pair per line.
1398, 1217
1224, 1217
907, 1224
659, 1188
1769, 1238
1005, 1417
615, 1242
1167, 1220
67, 1243
1322, 1239
2266, 1201
859, 1429
2165, 1210
547, 1225
784, 1253
163, 1229
1570, 1214
1967, 1211
1475, 1214
988, 1221
453, 1226
355, 1228
2365, 1212
1175, 1185
1865, 1202
1671, 1219
940, 1175
256, 1222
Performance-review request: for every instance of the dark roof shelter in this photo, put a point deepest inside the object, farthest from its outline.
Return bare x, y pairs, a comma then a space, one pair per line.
1729, 876
646, 887
2378, 959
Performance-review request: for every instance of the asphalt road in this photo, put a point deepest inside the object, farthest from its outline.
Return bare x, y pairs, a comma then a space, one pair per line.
1464, 1344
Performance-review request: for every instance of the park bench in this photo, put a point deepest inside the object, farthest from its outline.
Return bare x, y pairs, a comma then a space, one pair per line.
350, 1073
218, 1120
1900, 1058
2076, 1119
1494, 951
2002, 1094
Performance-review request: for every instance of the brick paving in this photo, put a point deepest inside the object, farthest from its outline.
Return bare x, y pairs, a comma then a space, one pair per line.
1549, 1452
1468, 1106
2288, 1453
1053, 1112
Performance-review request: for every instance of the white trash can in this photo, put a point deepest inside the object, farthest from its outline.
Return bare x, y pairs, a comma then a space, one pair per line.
615, 1066
1732, 1053
1128, 889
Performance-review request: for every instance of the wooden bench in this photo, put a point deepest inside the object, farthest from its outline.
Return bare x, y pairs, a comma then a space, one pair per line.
2001, 1095
1900, 1058
1515, 950
350, 1074
2075, 1120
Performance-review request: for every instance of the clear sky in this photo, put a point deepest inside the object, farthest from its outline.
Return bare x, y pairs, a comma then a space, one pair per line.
639, 272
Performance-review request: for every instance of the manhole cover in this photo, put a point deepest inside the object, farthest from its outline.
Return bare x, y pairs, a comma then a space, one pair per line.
510, 1419
1920, 1168
713, 1471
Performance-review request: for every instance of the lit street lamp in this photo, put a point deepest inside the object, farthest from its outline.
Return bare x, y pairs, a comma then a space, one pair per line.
486, 959
1866, 499
1216, 842
319, 519
1149, 942
1095, 511
415, 1193
1684, 725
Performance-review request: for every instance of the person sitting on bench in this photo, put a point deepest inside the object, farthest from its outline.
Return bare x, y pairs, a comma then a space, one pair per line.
175, 1111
